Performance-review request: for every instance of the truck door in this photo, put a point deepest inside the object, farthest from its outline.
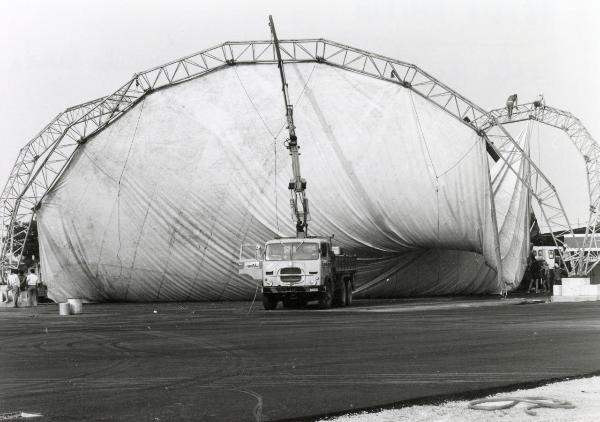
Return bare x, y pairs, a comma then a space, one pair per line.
250, 261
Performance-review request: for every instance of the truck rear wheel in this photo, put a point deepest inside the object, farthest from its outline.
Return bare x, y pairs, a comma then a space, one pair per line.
326, 298
269, 301
340, 295
348, 292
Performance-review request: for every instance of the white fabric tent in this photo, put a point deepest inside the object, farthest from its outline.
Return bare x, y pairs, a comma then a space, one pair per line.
155, 206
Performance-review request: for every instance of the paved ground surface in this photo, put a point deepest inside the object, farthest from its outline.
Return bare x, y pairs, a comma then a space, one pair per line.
216, 361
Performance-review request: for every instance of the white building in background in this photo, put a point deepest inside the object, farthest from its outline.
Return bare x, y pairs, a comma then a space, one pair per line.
575, 242
546, 253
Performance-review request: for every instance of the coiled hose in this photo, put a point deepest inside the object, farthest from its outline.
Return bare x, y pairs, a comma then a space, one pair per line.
534, 403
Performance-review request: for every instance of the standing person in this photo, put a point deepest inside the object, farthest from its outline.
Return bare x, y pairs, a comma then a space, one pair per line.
511, 102
13, 285
4, 290
557, 271
22, 281
551, 272
534, 273
544, 276
32, 291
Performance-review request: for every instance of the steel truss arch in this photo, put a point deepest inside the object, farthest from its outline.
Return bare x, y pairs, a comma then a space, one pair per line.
25, 191
26, 165
588, 255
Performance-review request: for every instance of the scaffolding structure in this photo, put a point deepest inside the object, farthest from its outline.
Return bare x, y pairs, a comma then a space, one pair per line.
588, 255
41, 162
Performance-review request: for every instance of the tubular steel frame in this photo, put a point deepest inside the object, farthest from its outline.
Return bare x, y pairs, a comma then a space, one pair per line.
588, 255
32, 177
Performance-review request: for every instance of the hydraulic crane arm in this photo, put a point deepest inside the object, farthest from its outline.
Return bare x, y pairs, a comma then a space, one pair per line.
297, 185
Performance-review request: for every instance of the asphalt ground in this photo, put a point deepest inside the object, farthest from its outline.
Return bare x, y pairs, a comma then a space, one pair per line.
218, 361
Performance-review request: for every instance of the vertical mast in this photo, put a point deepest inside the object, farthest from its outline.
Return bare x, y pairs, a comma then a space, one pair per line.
297, 185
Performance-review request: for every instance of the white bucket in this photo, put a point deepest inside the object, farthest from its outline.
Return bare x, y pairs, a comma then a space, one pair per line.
76, 305
64, 308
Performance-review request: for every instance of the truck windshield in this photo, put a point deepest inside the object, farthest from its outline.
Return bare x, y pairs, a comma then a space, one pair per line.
292, 250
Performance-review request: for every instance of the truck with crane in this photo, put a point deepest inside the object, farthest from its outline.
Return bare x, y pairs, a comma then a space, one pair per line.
303, 268
299, 270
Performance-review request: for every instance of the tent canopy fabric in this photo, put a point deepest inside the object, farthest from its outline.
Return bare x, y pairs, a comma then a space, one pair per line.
156, 206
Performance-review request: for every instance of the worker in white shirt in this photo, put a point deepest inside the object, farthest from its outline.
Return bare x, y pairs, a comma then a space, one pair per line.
32, 288
13, 285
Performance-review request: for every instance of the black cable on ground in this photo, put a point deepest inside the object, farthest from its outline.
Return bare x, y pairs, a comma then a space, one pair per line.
508, 402
253, 300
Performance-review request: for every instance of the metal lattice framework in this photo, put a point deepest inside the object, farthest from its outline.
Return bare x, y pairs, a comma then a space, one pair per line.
588, 255
31, 174
42, 160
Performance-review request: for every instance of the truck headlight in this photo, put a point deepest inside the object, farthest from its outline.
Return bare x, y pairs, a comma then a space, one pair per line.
267, 282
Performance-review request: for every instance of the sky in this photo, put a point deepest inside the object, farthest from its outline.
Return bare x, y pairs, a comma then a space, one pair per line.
60, 53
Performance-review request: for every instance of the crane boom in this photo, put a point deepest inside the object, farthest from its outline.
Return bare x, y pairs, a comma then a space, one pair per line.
297, 185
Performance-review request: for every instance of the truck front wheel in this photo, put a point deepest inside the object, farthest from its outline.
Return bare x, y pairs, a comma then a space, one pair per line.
326, 298
269, 301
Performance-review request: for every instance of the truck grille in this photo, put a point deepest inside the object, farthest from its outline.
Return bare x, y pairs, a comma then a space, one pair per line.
290, 275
